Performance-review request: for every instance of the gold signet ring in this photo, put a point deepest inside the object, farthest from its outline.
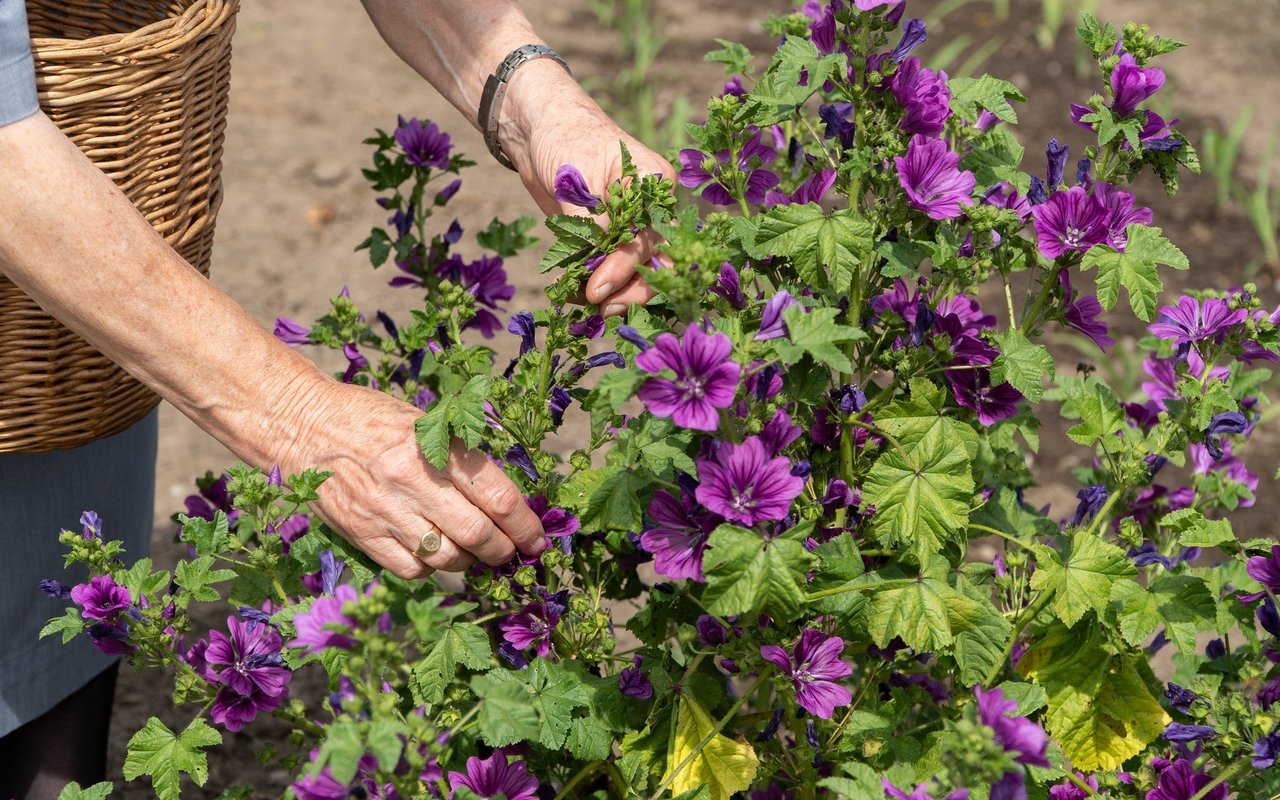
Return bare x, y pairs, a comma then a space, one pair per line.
429, 544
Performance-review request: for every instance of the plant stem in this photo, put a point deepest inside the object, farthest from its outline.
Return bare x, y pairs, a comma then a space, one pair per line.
711, 734
993, 532
897, 583
1027, 615
1224, 776
1084, 787
1046, 288
579, 777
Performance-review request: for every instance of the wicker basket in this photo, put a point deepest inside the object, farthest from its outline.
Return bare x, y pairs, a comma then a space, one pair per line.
141, 87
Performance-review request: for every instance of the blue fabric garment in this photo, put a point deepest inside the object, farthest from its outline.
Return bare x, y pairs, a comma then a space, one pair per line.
42, 494
17, 70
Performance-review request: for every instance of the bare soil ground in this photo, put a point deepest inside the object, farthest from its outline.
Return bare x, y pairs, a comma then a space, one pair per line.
311, 81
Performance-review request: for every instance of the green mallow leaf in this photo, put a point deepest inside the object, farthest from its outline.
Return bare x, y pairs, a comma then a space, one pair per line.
981, 633
607, 498
1022, 364
206, 536
928, 613
747, 574
461, 643
779, 93
98, 791
922, 486
995, 157
819, 243
69, 625
1080, 580
1101, 709
1134, 269
576, 238
163, 755
1181, 603
1099, 412
198, 577
505, 715
460, 415
1195, 530
508, 238
993, 94
818, 334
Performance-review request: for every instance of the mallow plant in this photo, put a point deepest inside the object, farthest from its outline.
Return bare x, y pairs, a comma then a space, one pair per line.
792, 552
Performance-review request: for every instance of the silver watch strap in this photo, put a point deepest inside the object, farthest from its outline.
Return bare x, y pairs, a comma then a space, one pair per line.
496, 86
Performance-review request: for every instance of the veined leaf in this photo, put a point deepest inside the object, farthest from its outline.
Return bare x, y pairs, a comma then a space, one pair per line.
724, 766
1134, 269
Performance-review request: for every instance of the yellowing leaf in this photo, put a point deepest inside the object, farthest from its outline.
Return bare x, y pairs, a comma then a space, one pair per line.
1101, 709
724, 766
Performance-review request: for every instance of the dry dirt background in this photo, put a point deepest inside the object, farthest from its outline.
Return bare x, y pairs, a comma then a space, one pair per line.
310, 81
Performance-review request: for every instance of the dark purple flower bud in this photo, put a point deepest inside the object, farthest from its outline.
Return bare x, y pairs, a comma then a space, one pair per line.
802, 469
1215, 649
913, 35
710, 631
734, 87
730, 666
454, 234
896, 9
330, 570
1056, 155
513, 656
517, 456
558, 403
811, 732
389, 324
630, 334
850, 398
998, 565
923, 323
771, 727
765, 383
1177, 732
1092, 498
1265, 751
729, 286
446, 194
836, 123
55, 589
1268, 617
110, 639
601, 359
253, 617
424, 145
771, 323
355, 362
838, 495
633, 683
522, 325
90, 525
571, 188
1181, 699
273, 479
1147, 555
1036, 194
589, 328
1084, 167
1228, 422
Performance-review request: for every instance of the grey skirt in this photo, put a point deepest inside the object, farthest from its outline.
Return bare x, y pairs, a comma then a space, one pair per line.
40, 495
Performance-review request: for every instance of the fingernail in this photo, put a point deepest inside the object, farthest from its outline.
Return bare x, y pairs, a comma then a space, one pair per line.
603, 292
615, 310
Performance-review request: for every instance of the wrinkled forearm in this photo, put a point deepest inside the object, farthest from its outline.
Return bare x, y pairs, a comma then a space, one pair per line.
72, 241
457, 44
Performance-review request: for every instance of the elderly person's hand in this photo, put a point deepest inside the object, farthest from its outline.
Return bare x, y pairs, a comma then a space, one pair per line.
588, 139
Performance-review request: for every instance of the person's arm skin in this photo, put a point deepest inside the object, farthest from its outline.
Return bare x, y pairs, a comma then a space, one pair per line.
74, 243
546, 119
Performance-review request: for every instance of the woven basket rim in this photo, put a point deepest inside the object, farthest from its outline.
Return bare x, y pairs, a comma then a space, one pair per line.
156, 40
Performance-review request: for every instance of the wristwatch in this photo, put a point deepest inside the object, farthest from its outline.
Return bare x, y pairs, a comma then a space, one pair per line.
496, 87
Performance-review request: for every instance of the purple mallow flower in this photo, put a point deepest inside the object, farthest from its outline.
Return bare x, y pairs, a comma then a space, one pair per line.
923, 95
633, 336
973, 390
1070, 220
633, 683
771, 324
90, 525
250, 670
1226, 422
1122, 212
532, 625
710, 631
814, 668
323, 625
1082, 313
522, 325
1131, 84
697, 169
679, 536
729, 286
914, 34
1265, 751
555, 521
101, 599
811, 191
1266, 571
572, 188
291, 333
1092, 498
423, 145
742, 482
494, 777
589, 328
706, 378
55, 589
932, 180
1180, 781
1180, 698
1192, 320
1019, 736
870, 5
